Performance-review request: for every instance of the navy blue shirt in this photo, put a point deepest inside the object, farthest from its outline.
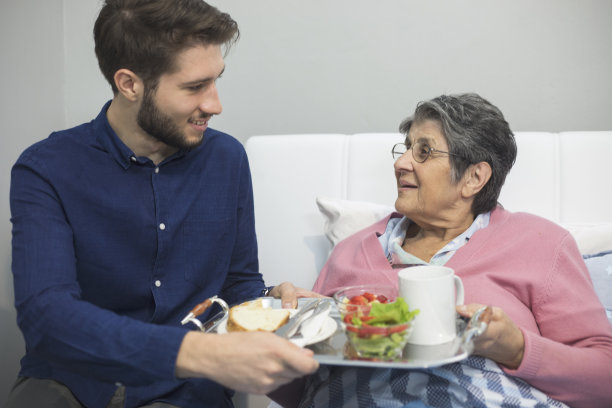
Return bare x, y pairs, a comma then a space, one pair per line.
110, 252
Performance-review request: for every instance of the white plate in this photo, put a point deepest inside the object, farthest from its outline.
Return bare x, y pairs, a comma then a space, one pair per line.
328, 328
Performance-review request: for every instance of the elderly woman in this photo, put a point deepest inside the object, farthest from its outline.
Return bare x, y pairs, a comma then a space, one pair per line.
549, 342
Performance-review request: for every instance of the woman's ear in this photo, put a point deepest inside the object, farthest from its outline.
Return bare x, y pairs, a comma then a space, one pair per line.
128, 84
477, 176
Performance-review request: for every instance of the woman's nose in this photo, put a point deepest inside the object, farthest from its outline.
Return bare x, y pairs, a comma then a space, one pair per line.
405, 161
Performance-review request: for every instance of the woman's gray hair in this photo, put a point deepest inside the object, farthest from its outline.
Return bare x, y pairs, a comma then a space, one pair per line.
475, 131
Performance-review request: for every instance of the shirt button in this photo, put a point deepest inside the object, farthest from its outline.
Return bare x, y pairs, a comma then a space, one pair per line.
133, 159
158, 283
156, 170
162, 226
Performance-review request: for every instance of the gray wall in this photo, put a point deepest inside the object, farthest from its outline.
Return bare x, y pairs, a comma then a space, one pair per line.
31, 80
318, 66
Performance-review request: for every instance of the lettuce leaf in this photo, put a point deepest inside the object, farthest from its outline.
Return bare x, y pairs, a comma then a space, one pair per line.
384, 314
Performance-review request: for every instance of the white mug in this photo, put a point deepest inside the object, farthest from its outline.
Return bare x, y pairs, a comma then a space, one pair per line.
435, 291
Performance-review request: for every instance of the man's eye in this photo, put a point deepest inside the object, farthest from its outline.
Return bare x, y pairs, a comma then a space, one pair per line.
195, 88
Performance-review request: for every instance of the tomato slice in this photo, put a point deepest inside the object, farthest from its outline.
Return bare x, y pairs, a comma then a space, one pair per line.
367, 330
369, 296
348, 318
353, 329
351, 308
382, 299
358, 300
397, 329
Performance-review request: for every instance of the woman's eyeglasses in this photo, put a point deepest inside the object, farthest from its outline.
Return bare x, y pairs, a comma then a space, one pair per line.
420, 151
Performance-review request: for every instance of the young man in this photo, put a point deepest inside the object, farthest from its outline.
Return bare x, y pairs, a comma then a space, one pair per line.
123, 224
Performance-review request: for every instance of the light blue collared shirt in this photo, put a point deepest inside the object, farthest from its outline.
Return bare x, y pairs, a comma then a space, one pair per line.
393, 237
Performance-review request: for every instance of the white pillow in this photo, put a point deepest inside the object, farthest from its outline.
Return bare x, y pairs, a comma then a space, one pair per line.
344, 217
600, 268
592, 238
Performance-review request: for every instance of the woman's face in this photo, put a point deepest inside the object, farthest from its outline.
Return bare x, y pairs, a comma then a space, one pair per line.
425, 193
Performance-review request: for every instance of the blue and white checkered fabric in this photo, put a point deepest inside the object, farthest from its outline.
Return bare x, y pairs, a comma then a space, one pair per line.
475, 382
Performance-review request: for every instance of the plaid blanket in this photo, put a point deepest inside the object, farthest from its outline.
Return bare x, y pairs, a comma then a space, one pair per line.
475, 382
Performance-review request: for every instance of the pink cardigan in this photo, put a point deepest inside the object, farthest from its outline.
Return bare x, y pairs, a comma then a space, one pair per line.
533, 270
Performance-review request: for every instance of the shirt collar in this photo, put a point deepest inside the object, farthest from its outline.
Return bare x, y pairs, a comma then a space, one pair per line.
395, 232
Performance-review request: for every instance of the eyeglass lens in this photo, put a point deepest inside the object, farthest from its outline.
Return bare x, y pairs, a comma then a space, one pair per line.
420, 151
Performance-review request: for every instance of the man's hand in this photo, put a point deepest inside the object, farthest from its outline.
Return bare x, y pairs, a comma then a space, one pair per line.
502, 342
289, 294
254, 362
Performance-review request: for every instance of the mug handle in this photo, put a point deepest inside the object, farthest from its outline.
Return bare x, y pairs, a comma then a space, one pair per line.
458, 290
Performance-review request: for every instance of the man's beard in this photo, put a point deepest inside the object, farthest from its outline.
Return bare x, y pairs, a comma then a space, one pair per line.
160, 126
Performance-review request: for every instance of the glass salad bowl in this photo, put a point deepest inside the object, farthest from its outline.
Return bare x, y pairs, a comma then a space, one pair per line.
376, 321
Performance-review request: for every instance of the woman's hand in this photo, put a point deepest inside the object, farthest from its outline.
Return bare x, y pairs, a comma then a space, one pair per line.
502, 341
289, 294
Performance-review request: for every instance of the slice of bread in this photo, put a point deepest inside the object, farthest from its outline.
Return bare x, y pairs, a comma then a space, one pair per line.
252, 316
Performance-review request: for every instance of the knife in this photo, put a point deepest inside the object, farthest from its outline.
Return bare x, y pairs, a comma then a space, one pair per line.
288, 329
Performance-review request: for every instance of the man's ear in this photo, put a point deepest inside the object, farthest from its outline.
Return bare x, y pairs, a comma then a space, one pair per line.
128, 84
476, 177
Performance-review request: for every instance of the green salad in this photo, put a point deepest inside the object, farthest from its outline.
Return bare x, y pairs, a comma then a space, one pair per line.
377, 329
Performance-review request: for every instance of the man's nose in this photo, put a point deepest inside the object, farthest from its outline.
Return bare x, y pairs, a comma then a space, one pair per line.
211, 103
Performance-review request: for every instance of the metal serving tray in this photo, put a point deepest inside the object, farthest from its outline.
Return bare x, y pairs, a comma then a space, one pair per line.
336, 349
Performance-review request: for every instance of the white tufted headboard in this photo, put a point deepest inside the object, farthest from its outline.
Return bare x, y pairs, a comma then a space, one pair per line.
565, 177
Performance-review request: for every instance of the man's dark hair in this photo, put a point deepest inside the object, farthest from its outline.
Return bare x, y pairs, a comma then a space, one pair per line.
145, 36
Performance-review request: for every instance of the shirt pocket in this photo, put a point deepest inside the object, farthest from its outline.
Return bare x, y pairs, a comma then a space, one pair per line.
207, 250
